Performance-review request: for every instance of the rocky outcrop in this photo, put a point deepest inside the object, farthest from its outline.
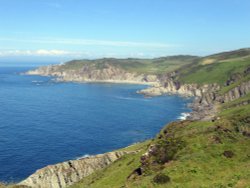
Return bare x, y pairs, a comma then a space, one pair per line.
203, 107
207, 96
170, 86
88, 73
69, 172
236, 92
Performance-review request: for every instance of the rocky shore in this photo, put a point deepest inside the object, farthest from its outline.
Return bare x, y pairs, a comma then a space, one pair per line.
67, 173
206, 97
87, 73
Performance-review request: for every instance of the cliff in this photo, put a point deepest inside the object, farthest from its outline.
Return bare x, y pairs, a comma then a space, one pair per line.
67, 173
87, 73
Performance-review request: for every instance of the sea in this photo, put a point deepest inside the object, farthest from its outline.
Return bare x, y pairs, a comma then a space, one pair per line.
43, 122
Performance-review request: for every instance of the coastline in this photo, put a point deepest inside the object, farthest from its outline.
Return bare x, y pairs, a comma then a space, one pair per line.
207, 98
196, 106
155, 89
40, 174
109, 82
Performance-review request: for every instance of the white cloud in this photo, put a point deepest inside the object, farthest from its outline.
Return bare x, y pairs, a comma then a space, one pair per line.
40, 52
54, 5
51, 52
87, 42
71, 54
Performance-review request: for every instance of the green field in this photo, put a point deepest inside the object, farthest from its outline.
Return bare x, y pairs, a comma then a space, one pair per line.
218, 70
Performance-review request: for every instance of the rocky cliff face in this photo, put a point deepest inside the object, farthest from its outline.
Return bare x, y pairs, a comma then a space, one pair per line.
67, 173
92, 74
207, 97
237, 92
173, 87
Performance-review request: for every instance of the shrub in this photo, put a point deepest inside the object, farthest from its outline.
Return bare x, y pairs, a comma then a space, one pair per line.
161, 178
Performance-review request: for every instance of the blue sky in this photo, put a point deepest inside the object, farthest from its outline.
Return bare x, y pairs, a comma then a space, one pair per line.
60, 30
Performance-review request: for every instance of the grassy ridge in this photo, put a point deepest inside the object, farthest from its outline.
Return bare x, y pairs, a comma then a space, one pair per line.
144, 66
217, 70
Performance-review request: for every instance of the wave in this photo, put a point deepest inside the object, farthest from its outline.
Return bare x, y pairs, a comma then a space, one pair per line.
183, 116
84, 156
36, 81
130, 98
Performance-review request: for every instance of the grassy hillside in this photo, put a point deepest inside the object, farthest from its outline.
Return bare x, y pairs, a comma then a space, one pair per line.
189, 154
216, 68
148, 66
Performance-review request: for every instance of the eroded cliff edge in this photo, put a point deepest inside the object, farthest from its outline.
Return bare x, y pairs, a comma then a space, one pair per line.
88, 73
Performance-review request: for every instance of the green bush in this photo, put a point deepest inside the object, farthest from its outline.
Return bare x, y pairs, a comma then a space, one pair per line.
161, 178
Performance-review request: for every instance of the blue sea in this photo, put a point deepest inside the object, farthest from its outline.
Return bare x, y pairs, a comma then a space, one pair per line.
44, 122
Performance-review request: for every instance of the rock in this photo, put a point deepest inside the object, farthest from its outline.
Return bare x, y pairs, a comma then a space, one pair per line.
88, 73
236, 92
67, 173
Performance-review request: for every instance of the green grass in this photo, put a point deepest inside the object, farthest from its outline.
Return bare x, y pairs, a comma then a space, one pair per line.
217, 72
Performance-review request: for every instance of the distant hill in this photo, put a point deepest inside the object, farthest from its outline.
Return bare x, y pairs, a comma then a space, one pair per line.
146, 66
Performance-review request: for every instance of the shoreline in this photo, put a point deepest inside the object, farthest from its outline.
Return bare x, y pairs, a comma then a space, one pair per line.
90, 156
182, 117
154, 89
109, 82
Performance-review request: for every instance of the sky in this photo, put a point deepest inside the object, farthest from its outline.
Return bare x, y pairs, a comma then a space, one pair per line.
60, 30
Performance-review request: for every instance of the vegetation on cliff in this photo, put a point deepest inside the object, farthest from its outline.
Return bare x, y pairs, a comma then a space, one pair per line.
141, 66
216, 68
